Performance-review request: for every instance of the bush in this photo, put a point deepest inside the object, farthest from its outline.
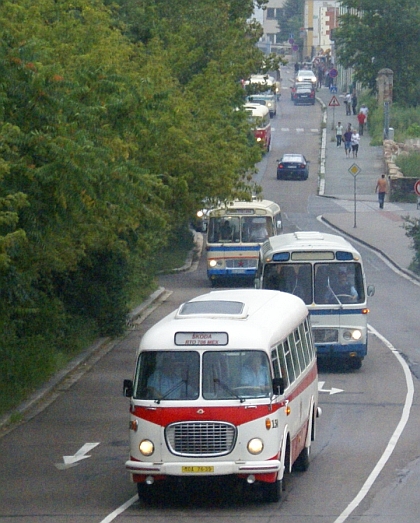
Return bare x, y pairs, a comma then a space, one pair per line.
409, 164
412, 227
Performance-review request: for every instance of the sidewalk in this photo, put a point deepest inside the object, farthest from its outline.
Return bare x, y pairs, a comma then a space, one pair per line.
382, 229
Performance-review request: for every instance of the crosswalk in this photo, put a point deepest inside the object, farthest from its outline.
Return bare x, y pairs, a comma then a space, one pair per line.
297, 130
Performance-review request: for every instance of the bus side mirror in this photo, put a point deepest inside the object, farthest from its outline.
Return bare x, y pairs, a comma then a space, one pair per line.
278, 386
370, 290
128, 388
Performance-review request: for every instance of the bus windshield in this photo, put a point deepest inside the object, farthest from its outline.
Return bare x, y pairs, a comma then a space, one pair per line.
175, 375
237, 229
327, 283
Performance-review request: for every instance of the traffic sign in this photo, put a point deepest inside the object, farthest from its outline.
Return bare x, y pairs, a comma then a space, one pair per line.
333, 73
417, 187
354, 169
334, 102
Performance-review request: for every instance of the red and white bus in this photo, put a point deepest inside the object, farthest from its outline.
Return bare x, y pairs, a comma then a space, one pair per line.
225, 386
259, 116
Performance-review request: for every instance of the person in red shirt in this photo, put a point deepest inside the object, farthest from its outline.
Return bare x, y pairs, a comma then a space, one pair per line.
361, 118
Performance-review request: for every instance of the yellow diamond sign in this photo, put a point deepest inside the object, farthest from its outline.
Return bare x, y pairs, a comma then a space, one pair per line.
354, 169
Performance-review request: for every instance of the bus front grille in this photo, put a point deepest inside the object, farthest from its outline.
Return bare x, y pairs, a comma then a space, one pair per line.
247, 263
325, 335
197, 439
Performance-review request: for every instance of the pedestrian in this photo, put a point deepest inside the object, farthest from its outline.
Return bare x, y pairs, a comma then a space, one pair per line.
354, 103
339, 133
347, 102
347, 141
365, 111
355, 139
381, 189
361, 118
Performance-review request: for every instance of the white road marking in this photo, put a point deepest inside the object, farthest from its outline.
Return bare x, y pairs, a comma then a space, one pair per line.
331, 391
120, 510
394, 438
72, 461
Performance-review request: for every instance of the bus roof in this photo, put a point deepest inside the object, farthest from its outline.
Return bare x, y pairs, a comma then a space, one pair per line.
239, 207
256, 109
307, 240
227, 320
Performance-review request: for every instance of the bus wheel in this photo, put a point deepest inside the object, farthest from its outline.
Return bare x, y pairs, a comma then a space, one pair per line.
302, 462
272, 491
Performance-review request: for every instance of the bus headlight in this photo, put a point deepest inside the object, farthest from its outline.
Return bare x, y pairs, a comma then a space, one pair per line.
255, 446
146, 447
212, 263
354, 335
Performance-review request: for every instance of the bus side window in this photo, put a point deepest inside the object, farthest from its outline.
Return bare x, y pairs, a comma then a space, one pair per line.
283, 366
308, 336
299, 349
289, 361
276, 363
295, 357
305, 348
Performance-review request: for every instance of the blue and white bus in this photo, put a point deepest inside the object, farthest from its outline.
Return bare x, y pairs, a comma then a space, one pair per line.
235, 234
326, 271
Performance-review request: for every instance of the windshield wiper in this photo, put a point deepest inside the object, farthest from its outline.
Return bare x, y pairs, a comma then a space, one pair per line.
339, 302
228, 389
170, 391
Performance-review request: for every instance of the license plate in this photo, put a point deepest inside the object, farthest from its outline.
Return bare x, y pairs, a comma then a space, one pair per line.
292, 167
197, 470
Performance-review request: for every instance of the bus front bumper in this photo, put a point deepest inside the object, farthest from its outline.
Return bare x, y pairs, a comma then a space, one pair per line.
203, 468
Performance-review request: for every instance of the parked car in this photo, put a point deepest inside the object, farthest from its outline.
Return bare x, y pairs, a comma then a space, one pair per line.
306, 74
304, 94
293, 165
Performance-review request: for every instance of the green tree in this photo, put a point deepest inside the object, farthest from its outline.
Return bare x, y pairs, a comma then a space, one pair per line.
377, 34
291, 20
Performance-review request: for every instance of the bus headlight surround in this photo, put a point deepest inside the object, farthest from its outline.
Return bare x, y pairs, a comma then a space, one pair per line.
146, 447
255, 446
352, 335
215, 263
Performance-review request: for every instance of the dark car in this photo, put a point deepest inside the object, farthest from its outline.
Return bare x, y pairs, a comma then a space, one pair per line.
293, 166
303, 94
296, 84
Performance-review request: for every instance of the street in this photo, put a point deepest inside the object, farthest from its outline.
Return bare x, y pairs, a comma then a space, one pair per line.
67, 463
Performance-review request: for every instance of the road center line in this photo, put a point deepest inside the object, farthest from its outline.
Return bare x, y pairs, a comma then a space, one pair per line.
394, 438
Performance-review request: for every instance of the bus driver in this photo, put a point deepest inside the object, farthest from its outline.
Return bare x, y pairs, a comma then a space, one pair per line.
255, 372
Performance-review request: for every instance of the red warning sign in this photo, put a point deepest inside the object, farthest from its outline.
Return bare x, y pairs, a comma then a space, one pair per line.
334, 102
